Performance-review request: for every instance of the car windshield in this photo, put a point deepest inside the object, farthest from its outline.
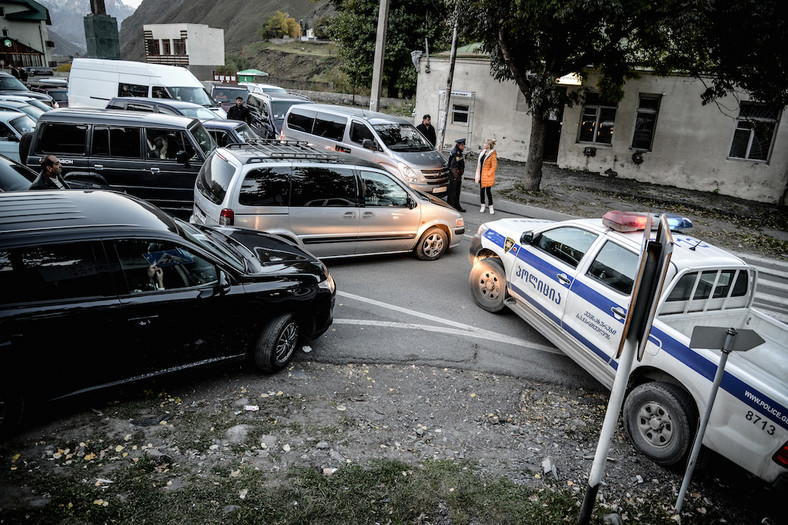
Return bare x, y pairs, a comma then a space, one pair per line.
11, 178
43, 107
246, 133
191, 94
23, 124
214, 242
31, 111
280, 107
203, 138
10, 83
59, 95
402, 137
225, 94
200, 113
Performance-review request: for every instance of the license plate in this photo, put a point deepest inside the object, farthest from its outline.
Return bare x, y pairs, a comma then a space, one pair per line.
439, 190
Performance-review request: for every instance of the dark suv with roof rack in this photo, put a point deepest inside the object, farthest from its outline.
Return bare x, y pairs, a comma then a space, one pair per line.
333, 204
101, 289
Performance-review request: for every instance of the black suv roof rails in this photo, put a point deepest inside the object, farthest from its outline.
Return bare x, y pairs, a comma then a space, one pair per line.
282, 149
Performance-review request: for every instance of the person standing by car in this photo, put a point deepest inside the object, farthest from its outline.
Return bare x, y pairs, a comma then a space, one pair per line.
427, 129
49, 178
485, 173
456, 169
239, 112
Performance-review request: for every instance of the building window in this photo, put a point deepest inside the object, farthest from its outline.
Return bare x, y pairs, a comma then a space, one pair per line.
179, 46
646, 122
152, 46
459, 113
752, 138
165, 46
597, 121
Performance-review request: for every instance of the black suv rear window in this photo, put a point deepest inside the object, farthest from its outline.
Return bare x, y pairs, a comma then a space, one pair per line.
214, 178
63, 138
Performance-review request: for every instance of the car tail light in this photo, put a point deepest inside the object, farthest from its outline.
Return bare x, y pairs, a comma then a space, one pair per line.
226, 217
781, 456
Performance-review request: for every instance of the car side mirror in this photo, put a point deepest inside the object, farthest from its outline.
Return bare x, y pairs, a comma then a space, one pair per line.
369, 144
224, 283
411, 203
183, 158
527, 238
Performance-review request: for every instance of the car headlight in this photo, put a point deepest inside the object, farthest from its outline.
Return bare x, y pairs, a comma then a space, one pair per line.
482, 230
408, 173
328, 283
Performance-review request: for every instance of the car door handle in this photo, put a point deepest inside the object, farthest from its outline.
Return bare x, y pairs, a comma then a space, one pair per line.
154, 170
563, 278
368, 215
349, 215
143, 321
98, 166
618, 312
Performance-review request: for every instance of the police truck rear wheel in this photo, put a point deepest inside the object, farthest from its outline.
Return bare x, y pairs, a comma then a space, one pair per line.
488, 284
661, 422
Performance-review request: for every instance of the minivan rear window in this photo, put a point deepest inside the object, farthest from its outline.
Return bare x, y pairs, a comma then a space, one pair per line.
266, 187
214, 178
63, 138
301, 120
330, 126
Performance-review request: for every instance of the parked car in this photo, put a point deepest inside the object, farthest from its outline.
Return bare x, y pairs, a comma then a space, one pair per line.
12, 86
162, 105
334, 205
150, 155
225, 94
27, 100
13, 124
22, 107
39, 71
390, 141
269, 110
133, 293
59, 94
254, 87
224, 131
14, 176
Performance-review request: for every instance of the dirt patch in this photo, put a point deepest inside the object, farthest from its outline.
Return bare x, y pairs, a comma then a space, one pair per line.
325, 417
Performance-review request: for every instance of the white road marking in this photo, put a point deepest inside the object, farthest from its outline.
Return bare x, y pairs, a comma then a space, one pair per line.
461, 329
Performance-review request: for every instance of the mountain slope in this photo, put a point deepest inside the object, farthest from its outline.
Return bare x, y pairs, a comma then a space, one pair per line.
240, 19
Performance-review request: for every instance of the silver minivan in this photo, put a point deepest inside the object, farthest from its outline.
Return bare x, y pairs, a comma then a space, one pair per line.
389, 141
333, 205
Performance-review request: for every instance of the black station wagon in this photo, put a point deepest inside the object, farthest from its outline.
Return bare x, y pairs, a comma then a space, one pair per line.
101, 288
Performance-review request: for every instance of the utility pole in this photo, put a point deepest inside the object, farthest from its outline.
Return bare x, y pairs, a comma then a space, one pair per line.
380, 46
452, 60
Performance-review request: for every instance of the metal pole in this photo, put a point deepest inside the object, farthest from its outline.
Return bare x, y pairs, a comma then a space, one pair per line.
450, 80
608, 428
726, 350
380, 45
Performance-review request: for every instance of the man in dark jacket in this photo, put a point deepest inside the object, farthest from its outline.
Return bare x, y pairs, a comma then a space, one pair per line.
239, 112
427, 129
49, 178
456, 170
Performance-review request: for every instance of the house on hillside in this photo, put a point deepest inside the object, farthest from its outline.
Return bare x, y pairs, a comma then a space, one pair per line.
659, 132
25, 39
197, 47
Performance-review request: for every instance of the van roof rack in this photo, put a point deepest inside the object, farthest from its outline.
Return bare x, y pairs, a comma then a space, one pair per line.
281, 149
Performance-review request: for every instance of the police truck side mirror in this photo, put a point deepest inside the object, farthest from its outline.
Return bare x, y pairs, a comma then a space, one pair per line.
527, 238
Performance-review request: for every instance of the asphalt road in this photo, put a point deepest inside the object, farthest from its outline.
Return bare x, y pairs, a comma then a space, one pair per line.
398, 309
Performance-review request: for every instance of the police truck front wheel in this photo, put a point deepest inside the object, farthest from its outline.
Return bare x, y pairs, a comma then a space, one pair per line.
488, 284
277, 343
661, 422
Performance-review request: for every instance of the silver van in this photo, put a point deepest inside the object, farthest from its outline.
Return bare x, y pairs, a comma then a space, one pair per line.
392, 142
332, 204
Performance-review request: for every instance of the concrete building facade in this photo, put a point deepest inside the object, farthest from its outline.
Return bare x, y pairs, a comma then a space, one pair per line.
196, 46
659, 132
25, 39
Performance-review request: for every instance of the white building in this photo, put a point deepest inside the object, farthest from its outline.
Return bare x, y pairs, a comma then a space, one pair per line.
196, 46
659, 132
25, 38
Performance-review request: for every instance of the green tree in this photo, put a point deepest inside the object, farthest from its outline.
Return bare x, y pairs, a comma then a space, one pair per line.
354, 28
277, 26
534, 42
322, 27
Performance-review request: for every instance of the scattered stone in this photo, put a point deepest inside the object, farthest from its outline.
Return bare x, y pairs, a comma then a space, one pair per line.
229, 509
322, 445
237, 434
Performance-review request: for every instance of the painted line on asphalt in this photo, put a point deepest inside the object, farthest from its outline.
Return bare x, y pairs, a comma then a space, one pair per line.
461, 329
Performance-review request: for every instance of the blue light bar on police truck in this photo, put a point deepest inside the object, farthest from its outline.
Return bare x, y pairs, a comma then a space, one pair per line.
630, 221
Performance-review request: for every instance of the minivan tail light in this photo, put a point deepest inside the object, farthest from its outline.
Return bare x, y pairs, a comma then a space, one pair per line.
226, 217
781, 456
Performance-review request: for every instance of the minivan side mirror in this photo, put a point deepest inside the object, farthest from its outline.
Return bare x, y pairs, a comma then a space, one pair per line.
411, 202
527, 238
369, 144
183, 158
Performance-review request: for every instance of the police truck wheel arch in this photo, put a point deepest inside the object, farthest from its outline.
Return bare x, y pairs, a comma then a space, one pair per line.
661, 422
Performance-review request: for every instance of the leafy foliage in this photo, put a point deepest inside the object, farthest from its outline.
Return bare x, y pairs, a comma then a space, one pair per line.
322, 27
279, 25
409, 23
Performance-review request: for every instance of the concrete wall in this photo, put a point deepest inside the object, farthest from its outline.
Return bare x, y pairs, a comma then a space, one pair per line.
691, 141
204, 45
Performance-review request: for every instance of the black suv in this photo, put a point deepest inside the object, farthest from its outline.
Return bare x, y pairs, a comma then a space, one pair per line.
100, 288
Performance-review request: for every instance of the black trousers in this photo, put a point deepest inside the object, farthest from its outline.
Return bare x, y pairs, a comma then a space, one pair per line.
487, 190
453, 192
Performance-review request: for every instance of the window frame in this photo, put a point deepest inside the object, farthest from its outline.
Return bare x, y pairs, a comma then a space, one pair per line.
537, 244
742, 120
646, 111
594, 101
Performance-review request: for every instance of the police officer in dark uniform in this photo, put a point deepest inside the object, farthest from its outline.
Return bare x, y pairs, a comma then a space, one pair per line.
456, 170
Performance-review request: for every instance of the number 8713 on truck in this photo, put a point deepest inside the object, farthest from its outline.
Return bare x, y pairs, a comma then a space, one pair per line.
573, 281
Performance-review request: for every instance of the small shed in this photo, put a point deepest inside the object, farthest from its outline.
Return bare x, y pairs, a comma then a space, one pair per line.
248, 75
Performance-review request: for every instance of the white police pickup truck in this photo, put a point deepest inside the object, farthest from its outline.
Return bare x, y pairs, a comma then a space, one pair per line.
572, 280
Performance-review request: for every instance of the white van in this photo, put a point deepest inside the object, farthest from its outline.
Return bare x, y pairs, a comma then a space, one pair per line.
92, 82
